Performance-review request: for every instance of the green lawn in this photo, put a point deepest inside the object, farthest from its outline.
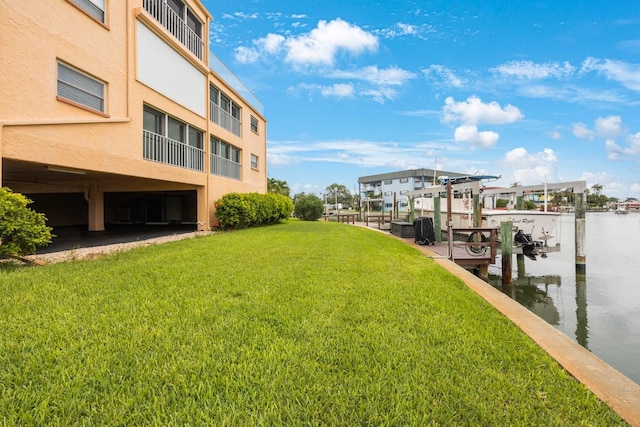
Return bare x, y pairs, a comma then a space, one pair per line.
293, 324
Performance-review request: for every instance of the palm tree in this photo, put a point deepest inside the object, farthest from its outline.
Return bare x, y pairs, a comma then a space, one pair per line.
278, 187
597, 188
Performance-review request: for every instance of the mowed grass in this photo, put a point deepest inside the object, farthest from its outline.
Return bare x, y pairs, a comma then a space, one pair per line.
295, 324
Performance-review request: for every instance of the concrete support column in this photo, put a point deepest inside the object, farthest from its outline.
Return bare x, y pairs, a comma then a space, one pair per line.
204, 218
95, 198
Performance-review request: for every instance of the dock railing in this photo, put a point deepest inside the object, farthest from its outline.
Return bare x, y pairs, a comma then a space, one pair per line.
480, 246
380, 219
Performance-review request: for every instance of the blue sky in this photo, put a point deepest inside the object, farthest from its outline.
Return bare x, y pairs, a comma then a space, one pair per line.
526, 90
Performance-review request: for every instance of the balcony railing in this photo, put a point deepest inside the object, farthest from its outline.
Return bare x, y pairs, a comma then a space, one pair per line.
169, 151
225, 167
175, 25
225, 120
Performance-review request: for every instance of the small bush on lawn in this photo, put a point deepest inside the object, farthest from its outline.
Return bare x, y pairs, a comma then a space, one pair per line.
242, 210
22, 230
308, 207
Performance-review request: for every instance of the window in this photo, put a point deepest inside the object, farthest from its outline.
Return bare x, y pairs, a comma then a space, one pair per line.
153, 120
254, 124
195, 137
404, 180
194, 23
176, 6
224, 111
225, 159
169, 140
388, 182
176, 130
80, 88
388, 193
254, 162
94, 8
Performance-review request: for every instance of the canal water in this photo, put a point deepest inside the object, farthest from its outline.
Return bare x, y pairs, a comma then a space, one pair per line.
601, 309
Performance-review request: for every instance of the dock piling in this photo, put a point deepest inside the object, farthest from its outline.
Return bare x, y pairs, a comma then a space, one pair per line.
507, 250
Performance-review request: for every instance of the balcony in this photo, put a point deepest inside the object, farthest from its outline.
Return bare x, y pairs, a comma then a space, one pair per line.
225, 120
175, 25
225, 167
171, 152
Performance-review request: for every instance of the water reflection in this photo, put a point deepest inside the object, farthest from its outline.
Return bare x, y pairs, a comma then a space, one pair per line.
582, 324
605, 317
532, 293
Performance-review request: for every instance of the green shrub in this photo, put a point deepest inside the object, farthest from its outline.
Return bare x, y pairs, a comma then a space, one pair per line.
242, 210
308, 207
502, 203
22, 230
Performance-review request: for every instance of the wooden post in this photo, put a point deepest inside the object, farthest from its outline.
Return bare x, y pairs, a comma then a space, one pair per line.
520, 265
506, 249
437, 218
477, 211
581, 222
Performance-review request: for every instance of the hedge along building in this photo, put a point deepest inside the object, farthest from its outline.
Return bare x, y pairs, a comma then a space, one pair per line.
117, 112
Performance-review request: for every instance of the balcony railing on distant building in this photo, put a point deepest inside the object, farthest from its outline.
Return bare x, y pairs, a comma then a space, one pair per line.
225, 120
169, 19
225, 167
169, 151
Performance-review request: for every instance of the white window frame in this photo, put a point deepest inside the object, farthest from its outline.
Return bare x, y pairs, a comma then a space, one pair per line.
75, 86
254, 161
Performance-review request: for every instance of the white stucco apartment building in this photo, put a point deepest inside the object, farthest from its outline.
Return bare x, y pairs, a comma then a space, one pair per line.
117, 112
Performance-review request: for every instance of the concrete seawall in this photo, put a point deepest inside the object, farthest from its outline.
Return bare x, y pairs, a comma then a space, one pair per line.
611, 386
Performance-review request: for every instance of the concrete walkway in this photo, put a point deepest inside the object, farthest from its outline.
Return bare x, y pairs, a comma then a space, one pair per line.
618, 391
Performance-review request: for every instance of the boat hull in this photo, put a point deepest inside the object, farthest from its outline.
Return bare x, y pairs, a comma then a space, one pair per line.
541, 226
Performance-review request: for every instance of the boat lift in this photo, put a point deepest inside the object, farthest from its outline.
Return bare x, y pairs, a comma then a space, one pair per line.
474, 186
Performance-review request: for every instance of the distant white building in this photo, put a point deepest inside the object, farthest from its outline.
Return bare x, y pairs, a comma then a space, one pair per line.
383, 190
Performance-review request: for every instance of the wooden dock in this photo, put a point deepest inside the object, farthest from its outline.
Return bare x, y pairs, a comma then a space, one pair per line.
478, 250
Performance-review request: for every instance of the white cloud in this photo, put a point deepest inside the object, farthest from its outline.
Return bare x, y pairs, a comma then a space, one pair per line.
555, 134
616, 151
444, 74
401, 29
246, 55
270, 45
531, 168
338, 90
473, 112
608, 127
581, 131
392, 76
533, 71
319, 47
628, 75
471, 135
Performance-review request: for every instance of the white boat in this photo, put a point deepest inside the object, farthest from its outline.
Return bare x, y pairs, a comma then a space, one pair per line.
539, 227
622, 208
